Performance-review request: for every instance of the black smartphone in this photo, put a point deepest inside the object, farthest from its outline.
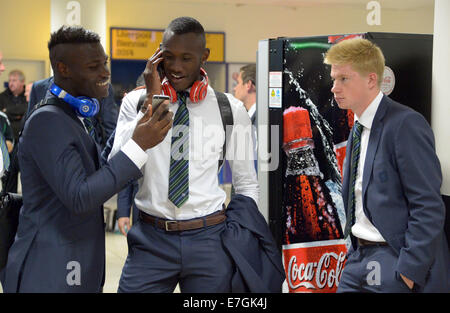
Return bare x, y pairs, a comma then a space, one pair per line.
157, 100
160, 70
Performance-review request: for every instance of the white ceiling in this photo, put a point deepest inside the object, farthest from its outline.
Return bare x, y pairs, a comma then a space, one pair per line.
390, 4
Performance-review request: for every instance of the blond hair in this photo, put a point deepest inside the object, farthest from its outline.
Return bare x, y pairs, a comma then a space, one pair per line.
363, 55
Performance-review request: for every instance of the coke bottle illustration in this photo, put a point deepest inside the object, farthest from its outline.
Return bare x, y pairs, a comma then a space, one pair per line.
310, 214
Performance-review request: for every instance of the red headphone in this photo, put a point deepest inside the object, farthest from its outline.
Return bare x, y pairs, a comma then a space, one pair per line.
198, 89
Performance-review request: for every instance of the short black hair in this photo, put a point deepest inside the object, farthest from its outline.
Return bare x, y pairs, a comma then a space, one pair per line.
184, 25
68, 35
72, 35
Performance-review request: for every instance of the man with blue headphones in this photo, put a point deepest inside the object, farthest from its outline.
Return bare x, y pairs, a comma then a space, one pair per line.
60, 241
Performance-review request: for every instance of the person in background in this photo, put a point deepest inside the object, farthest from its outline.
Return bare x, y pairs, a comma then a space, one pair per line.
5, 127
126, 206
2, 66
245, 90
28, 91
13, 101
392, 180
6, 141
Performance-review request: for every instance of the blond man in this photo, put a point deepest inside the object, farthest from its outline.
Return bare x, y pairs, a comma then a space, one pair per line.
392, 180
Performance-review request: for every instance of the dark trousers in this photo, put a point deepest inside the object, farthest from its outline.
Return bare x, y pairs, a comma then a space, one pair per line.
158, 260
372, 269
2, 277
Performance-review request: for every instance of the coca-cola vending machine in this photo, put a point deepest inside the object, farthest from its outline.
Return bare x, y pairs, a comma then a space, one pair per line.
302, 136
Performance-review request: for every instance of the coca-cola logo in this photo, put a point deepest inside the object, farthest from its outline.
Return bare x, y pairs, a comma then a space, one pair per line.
316, 275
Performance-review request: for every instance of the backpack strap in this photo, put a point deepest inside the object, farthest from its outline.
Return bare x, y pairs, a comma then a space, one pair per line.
227, 119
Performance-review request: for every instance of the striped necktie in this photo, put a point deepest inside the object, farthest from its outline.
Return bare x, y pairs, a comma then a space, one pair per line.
5, 153
356, 145
89, 127
179, 154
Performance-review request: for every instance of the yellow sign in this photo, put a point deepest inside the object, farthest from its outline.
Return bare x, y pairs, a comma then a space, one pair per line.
140, 44
216, 44
134, 44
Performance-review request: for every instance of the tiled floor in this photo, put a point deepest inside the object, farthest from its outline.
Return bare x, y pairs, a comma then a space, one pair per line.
116, 253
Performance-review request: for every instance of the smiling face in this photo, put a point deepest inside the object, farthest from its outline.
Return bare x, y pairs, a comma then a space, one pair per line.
84, 70
183, 56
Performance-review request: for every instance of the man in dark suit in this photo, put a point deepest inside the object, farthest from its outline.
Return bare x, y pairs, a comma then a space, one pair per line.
392, 179
60, 241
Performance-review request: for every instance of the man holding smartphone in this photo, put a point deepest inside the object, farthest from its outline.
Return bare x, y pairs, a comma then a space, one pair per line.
177, 238
60, 240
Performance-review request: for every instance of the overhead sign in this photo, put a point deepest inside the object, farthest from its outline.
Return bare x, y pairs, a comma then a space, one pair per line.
140, 44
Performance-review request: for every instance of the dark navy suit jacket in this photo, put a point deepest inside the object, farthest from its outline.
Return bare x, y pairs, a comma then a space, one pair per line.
251, 246
401, 194
60, 242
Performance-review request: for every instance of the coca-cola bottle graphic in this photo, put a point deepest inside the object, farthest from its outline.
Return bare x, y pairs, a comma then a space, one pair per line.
310, 214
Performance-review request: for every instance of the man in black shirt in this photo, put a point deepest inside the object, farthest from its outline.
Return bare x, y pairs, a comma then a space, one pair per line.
13, 101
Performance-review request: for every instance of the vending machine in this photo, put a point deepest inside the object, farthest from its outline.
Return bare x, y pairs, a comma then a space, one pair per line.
302, 137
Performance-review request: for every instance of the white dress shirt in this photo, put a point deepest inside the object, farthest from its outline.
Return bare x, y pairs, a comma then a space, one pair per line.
206, 138
363, 228
251, 112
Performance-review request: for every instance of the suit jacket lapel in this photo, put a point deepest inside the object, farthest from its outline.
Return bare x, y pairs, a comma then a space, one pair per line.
66, 108
374, 139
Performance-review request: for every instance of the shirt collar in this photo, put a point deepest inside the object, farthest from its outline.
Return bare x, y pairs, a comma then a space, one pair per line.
252, 110
366, 119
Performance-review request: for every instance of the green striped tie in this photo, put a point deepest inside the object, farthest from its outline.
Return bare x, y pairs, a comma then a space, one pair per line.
89, 126
179, 154
356, 145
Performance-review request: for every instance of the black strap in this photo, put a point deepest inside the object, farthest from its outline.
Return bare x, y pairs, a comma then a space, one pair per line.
227, 119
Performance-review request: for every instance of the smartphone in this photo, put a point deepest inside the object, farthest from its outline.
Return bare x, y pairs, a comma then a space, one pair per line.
160, 70
157, 100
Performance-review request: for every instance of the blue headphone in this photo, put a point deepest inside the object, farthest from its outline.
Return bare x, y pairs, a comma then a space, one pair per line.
83, 106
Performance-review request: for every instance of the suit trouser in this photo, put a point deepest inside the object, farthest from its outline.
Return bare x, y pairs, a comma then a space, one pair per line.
372, 269
2, 277
158, 260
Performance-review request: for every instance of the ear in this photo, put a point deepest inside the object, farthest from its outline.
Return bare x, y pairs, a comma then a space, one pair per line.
249, 86
373, 80
205, 55
62, 69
